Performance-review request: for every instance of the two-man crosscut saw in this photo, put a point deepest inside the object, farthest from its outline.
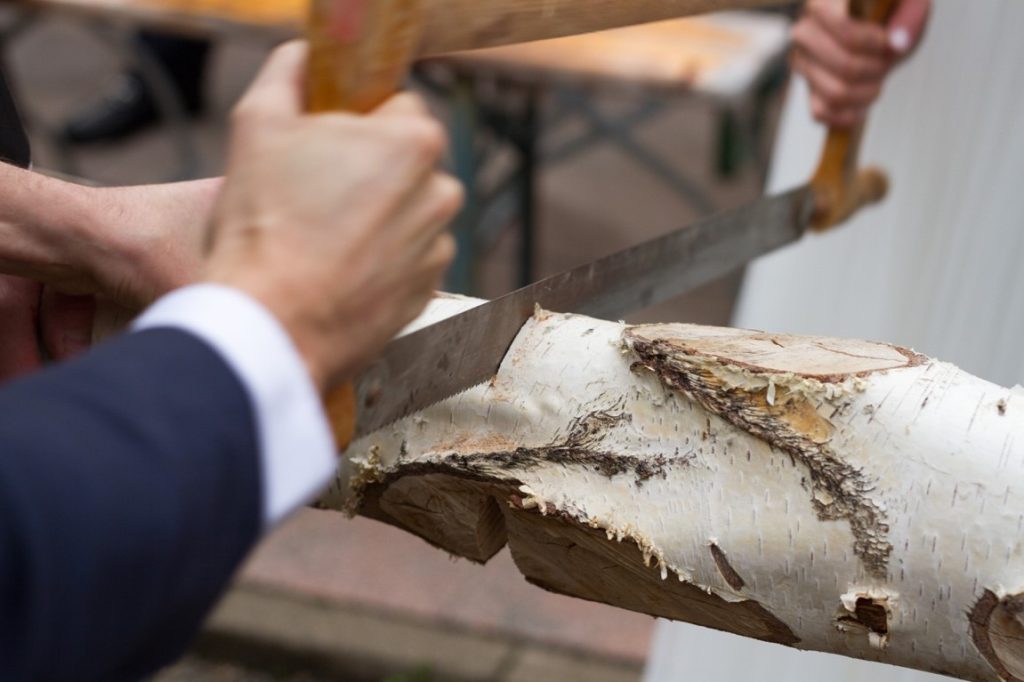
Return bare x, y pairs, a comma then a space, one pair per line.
360, 52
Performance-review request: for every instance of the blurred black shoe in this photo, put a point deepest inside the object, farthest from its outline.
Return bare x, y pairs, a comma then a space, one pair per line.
124, 108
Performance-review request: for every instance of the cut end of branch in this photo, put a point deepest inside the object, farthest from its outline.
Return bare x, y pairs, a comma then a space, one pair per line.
780, 389
997, 629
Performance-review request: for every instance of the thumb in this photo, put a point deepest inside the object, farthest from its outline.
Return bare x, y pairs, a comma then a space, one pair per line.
907, 24
66, 323
279, 87
19, 310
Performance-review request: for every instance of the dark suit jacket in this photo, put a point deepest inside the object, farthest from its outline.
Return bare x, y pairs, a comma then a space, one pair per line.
129, 493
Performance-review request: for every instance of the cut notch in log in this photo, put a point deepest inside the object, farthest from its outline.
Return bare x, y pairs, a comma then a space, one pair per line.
800, 491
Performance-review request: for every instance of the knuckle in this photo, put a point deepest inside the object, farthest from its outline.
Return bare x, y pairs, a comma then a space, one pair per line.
419, 301
816, 10
242, 112
819, 109
412, 103
800, 33
847, 35
846, 119
827, 91
849, 67
427, 136
249, 112
420, 138
449, 196
285, 49
853, 36
801, 64
444, 251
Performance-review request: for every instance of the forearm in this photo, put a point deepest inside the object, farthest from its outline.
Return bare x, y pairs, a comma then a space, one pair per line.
48, 227
131, 243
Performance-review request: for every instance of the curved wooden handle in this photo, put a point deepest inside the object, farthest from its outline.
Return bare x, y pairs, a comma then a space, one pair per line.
841, 187
342, 410
360, 51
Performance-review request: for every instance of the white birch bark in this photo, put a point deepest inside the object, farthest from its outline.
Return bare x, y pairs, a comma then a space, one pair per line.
838, 496
935, 267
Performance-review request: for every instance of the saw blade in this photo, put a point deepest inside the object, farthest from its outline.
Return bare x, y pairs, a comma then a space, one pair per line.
451, 356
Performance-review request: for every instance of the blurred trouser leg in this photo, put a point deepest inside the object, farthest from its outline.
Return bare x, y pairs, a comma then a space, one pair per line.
185, 61
127, 106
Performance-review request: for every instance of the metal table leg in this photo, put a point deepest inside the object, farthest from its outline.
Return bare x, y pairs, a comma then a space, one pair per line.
527, 143
654, 163
461, 277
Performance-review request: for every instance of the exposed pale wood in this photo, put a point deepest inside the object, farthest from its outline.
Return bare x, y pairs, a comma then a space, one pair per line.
841, 496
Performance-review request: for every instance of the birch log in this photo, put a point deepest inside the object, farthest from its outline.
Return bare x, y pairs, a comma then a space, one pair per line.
838, 496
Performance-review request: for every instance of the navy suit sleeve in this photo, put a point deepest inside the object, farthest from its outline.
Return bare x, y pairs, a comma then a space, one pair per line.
129, 494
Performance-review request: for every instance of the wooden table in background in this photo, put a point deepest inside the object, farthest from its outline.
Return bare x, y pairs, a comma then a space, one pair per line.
519, 93
728, 60
275, 18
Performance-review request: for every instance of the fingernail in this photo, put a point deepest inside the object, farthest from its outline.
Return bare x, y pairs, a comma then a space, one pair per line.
899, 40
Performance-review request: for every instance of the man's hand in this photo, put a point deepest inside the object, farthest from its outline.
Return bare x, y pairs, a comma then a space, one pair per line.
335, 222
35, 322
19, 320
846, 61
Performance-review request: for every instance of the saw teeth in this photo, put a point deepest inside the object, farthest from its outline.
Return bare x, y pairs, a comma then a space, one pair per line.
391, 423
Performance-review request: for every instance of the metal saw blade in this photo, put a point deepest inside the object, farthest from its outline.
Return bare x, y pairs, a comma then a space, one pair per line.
451, 356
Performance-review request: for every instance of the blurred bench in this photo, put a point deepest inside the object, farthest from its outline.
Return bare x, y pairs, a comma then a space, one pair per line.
511, 98
114, 22
216, 18
516, 96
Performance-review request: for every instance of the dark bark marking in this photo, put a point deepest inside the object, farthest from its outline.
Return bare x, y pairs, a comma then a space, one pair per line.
579, 447
725, 568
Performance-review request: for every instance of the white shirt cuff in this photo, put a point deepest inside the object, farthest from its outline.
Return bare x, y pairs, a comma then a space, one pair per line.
296, 446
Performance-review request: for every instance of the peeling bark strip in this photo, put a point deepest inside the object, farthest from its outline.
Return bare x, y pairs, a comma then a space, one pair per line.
838, 496
786, 418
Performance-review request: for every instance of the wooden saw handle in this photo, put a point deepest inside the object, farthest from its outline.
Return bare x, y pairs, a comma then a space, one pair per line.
360, 51
841, 187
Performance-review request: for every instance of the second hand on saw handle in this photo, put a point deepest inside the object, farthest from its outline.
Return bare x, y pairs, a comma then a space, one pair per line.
841, 187
360, 51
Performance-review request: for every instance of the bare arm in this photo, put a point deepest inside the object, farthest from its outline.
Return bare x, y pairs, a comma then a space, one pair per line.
41, 222
129, 243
